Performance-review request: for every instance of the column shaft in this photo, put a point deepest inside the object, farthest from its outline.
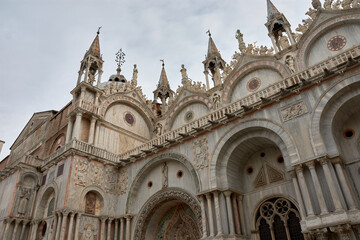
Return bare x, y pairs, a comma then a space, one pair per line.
53, 230
345, 186
96, 137
58, 228
69, 130
236, 215
229, 212
4, 230
23, 230
217, 213
15, 229
92, 130
63, 226
102, 236
242, 216
211, 216
70, 231
109, 229
304, 191
298, 196
319, 194
76, 130
331, 184
116, 229
121, 228
128, 228
203, 216
76, 237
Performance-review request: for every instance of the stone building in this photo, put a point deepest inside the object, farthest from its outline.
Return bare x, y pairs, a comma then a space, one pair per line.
268, 148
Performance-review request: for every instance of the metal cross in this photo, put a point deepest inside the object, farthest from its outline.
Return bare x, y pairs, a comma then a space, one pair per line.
120, 57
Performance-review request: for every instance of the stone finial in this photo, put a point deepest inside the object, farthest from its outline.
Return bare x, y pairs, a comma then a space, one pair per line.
240, 37
316, 4
1, 144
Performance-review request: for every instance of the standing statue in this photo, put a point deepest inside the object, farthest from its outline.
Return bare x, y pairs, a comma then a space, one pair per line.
240, 37
312, 13
356, 3
134, 78
184, 76
316, 4
270, 51
216, 100
165, 180
158, 129
328, 4
249, 49
24, 196
91, 76
301, 28
346, 4
290, 62
337, 4
283, 42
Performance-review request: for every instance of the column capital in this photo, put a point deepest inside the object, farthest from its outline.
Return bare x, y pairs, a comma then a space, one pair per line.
323, 160
17, 221
240, 197
111, 219
310, 164
341, 229
228, 193
122, 219
103, 219
72, 214
299, 169
337, 160
208, 195
128, 217
79, 113
35, 222
94, 118
215, 193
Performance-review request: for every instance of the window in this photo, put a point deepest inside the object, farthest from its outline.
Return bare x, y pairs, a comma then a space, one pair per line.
43, 180
60, 170
276, 212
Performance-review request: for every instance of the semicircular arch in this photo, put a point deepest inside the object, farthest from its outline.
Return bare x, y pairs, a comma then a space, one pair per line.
100, 193
155, 161
249, 68
325, 110
44, 195
259, 128
311, 37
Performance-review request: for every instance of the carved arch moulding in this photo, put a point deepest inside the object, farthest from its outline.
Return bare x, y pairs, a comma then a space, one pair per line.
152, 204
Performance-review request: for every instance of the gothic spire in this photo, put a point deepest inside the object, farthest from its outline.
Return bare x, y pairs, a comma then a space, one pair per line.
95, 46
272, 10
212, 49
163, 81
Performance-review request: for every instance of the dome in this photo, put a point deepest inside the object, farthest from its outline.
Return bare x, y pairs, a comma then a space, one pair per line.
117, 78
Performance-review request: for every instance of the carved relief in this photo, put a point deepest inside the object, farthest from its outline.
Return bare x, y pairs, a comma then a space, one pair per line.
88, 228
81, 172
24, 197
201, 153
123, 181
294, 111
111, 180
253, 84
88, 232
96, 174
336, 43
165, 180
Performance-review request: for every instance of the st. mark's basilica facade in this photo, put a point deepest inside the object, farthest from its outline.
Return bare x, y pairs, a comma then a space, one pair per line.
267, 148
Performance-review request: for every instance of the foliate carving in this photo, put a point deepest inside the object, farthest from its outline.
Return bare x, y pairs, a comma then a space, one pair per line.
201, 153
96, 174
111, 180
294, 111
151, 207
123, 181
81, 172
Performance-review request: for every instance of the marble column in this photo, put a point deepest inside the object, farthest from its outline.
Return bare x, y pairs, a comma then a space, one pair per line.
58, 227
242, 216
203, 215
77, 224
4, 229
53, 230
102, 234
217, 213
97, 131
109, 229
116, 229
24, 223
17, 222
63, 225
69, 130
298, 195
35, 225
211, 216
290, 36
70, 231
236, 215
273, 40
122, 228
128, 219
229, 212
207, 80
92, 130
331, 184
344, 184
319, 193
77, 125
304, 191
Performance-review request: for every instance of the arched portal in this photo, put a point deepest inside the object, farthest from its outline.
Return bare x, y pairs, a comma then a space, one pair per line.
170, 214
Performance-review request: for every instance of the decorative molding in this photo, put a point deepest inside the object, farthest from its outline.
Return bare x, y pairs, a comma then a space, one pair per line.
294, 111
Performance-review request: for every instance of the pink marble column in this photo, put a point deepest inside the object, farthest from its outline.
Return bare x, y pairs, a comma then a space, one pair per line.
236, 215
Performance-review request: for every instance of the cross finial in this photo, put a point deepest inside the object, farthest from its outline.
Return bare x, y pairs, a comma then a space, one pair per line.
208, 32
120, 57
98, 32
163, 62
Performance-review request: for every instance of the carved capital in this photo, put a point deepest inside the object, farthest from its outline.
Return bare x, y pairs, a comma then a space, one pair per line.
321, 234
310, 164
323, 160
103, 219
336, 160
215, 193
208, 195
110, 219
240, 198
227, 193
299, 169
343, 231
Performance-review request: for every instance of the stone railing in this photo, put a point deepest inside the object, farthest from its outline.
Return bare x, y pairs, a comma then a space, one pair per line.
85, 105
239, 107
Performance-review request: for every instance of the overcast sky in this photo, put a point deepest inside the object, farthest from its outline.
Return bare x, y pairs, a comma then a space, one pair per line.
43, 41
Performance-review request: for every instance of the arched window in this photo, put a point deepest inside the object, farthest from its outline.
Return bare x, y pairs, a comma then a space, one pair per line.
283, 216
51, 207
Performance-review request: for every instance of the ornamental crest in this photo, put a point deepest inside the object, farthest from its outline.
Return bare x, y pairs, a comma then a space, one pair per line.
81, 172
96, 174
123, 181
201, 153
